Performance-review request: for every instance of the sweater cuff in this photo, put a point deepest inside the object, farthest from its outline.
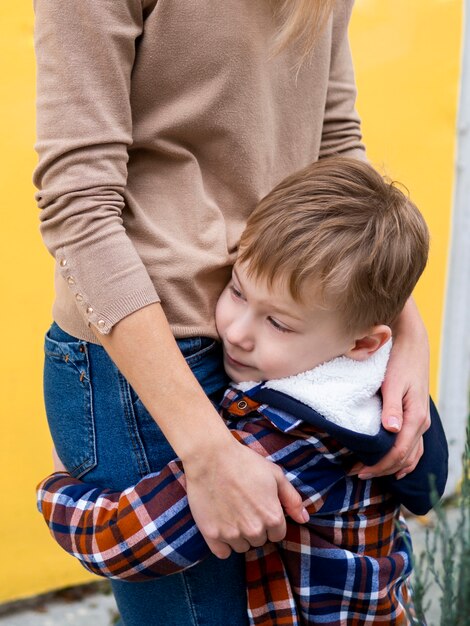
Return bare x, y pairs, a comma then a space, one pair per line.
112, 295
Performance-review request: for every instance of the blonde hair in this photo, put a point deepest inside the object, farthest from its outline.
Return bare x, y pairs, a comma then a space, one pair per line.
341, 230
301, 22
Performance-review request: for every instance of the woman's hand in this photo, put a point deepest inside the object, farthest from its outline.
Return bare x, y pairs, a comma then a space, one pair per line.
405, 392
239, 499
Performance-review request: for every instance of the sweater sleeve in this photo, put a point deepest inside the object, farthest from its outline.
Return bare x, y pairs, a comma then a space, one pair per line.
85, 53
144, 532
341, 133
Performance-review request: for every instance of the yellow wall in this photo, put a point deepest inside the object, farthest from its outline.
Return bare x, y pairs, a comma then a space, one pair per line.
31, 564
407, 59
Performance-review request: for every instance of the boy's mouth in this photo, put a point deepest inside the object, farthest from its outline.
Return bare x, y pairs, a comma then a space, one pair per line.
233, 362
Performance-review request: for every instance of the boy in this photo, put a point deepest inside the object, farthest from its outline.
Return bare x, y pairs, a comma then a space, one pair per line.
326, 263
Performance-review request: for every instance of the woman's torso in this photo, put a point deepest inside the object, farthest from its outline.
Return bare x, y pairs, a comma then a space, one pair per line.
217, 121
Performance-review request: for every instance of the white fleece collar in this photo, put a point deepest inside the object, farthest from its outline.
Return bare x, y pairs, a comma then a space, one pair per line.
343, 390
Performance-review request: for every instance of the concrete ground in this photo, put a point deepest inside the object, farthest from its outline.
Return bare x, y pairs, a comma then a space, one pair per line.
90, 605
94, 604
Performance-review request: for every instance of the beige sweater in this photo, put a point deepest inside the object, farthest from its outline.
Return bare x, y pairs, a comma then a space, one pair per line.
160, 125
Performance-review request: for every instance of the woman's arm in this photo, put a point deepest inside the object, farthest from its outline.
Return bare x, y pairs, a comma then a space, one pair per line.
85, 55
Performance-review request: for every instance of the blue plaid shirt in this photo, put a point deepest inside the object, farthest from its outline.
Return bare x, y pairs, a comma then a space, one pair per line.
348, 565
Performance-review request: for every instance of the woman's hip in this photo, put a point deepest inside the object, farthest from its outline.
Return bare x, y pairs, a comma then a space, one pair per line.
102, 431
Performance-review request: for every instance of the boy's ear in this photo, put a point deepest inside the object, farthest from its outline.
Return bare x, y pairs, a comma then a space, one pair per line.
364, 347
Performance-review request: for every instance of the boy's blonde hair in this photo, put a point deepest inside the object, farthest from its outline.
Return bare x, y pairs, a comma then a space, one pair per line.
339, 229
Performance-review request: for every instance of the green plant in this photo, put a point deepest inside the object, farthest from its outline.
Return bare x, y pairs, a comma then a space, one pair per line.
446, 558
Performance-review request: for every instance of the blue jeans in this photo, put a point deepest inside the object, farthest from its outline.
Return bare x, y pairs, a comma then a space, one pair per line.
105, 436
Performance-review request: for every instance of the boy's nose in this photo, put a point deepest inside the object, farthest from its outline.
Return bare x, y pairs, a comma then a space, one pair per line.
239, 334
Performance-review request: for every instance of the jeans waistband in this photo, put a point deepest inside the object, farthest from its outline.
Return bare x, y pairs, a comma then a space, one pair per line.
188, 345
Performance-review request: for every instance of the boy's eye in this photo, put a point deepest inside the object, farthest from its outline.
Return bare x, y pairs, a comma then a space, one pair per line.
236, 292
278, 326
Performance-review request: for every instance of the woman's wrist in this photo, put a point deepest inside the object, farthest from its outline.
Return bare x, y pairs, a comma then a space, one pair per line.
208, 438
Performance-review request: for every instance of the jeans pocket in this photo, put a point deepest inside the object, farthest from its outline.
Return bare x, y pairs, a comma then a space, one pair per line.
68, 402
156, 447
205, 347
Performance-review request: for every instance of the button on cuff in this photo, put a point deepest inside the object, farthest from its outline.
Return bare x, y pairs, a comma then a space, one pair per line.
81, 299
98, 308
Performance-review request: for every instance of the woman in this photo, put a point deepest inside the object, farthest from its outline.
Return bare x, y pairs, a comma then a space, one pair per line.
160, 125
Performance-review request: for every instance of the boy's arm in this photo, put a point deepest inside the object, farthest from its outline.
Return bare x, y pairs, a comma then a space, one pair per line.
148, 531
419, 490
145, 532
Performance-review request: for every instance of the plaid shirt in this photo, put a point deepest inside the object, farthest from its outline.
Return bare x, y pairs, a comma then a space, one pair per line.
347, 565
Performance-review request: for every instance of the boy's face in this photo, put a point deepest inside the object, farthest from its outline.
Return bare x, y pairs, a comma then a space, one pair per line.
266, 334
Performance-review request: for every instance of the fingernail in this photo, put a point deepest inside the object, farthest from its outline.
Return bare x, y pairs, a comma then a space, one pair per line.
394, 423
365, 476
305, 515
400, 476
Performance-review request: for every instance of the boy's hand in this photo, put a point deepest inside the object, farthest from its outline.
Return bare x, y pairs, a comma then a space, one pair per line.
58, 465
239, 499
405, 393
